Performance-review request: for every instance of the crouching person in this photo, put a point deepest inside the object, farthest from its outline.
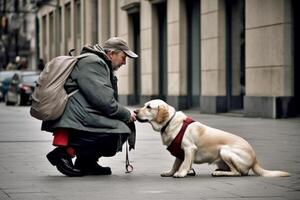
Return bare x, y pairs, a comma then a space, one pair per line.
93, 124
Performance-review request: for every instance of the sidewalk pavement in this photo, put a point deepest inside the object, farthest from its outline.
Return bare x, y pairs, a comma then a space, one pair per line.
25, 172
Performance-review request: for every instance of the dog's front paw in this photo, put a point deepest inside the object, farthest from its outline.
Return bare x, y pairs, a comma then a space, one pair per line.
180, 174
167, 174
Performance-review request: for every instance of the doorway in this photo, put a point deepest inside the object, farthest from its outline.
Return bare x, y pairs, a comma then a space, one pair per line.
296, 23
136, 41
193, 53
161, 10
235, 54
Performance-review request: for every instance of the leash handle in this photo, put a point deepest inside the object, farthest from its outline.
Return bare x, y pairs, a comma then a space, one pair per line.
128, 166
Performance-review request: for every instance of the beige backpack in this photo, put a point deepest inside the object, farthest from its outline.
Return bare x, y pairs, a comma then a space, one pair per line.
49, 97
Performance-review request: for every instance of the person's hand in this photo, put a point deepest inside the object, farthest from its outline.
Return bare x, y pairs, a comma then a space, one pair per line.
132, 117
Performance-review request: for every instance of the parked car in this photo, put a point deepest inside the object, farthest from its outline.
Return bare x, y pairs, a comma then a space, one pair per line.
21, 87
5, 77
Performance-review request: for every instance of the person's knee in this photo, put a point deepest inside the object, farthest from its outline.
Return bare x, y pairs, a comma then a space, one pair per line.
108, 146
108, 153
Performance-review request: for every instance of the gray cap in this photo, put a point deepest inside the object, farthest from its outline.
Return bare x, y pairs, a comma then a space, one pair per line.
118, 43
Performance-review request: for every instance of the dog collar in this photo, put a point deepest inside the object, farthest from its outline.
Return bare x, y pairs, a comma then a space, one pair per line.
162, 130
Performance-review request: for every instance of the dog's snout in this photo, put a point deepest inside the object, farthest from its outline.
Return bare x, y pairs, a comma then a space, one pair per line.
136, 111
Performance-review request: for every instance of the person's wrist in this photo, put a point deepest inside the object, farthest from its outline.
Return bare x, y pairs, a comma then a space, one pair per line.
132, 117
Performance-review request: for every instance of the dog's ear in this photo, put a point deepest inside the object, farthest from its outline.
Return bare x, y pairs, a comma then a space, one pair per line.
162, 114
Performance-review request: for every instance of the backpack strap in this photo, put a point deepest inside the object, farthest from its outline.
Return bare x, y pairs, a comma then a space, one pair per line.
79, 57
72, 93
84, 55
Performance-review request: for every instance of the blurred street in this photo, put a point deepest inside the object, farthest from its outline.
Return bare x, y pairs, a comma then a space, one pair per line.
26, 174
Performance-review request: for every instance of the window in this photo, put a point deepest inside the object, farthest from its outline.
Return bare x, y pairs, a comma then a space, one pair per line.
68, 20
44, 34
77, 17
51, 34
95, 21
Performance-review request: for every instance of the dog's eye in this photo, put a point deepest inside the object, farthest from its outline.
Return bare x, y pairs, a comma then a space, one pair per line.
148, 106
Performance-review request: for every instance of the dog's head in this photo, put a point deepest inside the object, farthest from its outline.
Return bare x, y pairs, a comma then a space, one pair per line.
156, 112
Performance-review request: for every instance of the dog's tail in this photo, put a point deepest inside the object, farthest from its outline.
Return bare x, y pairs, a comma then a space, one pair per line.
258, 170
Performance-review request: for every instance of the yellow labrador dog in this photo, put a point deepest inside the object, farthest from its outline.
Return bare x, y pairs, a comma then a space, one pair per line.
233, 155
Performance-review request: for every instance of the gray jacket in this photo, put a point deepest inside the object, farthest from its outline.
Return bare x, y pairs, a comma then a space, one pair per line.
94, 108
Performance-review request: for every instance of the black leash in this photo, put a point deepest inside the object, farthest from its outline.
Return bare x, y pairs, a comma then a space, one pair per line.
128, 166
191, 172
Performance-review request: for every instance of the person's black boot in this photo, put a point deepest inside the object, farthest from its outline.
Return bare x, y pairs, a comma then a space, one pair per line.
63, 162
89, 167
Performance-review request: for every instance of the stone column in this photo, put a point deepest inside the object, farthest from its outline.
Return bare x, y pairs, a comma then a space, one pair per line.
213, 63
125, 72
147, 55
113, 5
91, 16
104, 20
177, 69
269, 72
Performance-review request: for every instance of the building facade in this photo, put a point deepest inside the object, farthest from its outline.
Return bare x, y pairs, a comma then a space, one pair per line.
17, 33
214, 56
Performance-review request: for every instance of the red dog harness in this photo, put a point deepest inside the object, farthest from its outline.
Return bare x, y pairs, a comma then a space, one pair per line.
175, 147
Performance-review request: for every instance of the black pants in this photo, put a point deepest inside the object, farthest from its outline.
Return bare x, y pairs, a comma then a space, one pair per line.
92, 146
